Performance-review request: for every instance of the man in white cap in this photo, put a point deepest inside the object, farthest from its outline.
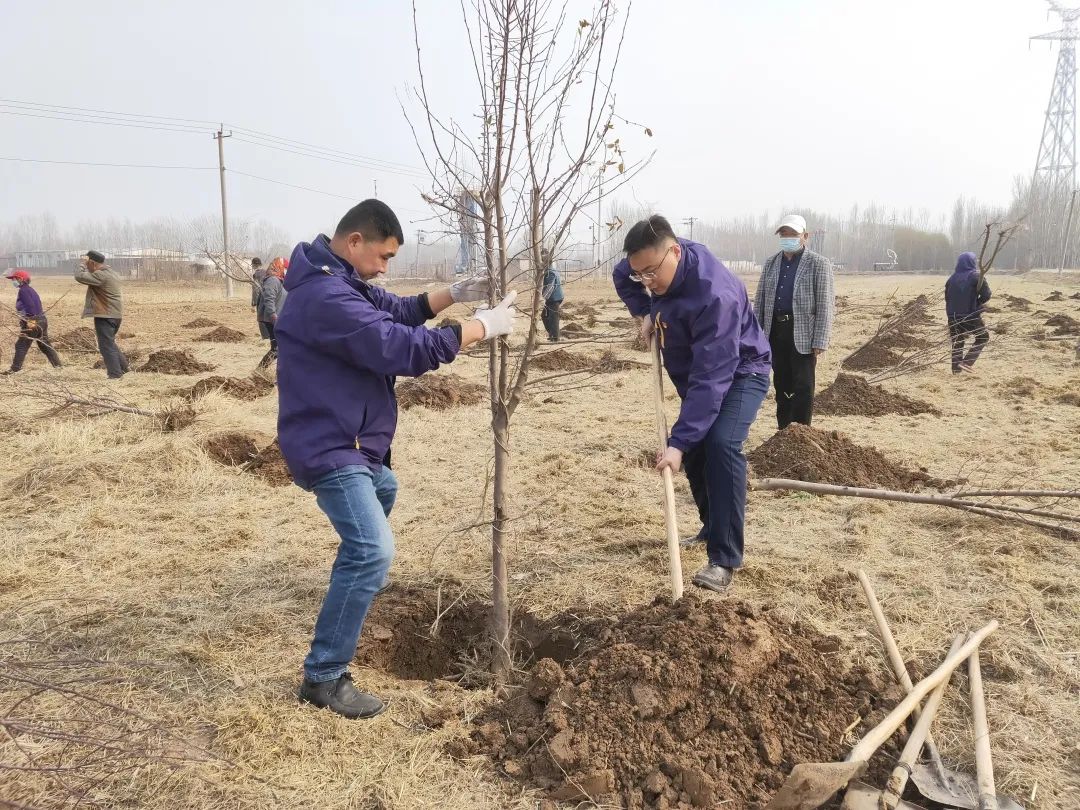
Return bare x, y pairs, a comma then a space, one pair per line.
794, 305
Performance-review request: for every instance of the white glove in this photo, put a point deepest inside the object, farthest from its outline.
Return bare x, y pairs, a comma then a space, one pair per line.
500, 320
475, 288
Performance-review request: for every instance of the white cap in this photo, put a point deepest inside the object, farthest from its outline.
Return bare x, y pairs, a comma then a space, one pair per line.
793, 221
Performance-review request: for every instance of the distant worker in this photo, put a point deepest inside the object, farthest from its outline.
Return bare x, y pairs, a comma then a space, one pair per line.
718, 360
33, 325
342, 341
257, 276
966, 292
794, 305
553, 298
271, 301
105, 305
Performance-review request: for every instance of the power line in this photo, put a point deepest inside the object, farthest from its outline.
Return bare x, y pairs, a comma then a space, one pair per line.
127, 124
32, 104
116, 165
353, 163
290, 185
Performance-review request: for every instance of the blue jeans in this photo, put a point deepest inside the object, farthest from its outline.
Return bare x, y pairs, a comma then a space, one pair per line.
357, 500
716, 469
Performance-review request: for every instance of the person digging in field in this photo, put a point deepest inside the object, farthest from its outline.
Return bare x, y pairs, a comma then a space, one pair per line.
271, 301
794, 305
33, 324
104, 304
718, 360
966, 293
553, 298
258, 273
341, 343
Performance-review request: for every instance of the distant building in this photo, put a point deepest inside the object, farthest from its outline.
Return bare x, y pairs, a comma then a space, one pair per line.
45, 259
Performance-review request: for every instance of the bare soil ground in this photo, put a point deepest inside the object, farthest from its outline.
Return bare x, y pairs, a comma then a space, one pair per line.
155, 595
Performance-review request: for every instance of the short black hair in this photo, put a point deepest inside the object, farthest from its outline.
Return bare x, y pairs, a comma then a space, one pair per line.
373, 219
256, 262
647, 233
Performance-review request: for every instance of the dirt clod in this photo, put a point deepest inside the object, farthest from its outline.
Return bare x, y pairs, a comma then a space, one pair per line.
174, 361
573, 329
851, 395
439, 392
82, 339
808, 454
871, 357
247, 389
1064, 325
1056, 295
269, 465
561, 360
201, 323
231, 449
223, 334
1016, 303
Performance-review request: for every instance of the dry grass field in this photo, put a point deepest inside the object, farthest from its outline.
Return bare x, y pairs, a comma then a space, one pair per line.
155, 604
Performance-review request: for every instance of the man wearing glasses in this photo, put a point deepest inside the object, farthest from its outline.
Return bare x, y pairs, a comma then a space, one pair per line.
718, 360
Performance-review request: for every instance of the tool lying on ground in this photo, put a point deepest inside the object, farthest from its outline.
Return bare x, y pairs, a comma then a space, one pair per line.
674, 555
933, 779
811, 784
984, 765
861, 796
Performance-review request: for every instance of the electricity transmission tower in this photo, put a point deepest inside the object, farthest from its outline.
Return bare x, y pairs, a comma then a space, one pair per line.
1054, 178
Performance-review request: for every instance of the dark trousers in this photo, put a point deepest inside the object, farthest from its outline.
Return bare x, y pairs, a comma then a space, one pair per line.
959, 330
793, 376
550, 318
716, 470
266, 329
116, 363
29, 335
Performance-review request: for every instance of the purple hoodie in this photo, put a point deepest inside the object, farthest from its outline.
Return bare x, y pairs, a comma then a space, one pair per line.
28, 302
341, 343
708, 335
964, 296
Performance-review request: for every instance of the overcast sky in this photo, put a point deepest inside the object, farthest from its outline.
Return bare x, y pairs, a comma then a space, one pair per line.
755, 104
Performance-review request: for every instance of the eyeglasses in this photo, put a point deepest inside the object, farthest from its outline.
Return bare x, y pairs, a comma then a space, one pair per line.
650, 273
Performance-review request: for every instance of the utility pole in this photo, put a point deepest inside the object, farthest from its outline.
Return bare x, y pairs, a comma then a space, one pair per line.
1068, 232
220, 137
690, 221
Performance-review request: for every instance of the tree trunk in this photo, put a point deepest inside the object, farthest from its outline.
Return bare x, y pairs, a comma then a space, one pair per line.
500, 598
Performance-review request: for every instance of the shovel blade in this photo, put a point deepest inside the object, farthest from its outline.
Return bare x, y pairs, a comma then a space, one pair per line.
861, 796
811, 784
953, 790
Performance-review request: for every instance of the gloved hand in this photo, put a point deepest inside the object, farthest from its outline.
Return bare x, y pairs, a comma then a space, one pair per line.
500, 320
670, 458
475, 288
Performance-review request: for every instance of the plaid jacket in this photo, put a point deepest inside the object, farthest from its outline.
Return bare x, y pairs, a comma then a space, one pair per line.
813, 299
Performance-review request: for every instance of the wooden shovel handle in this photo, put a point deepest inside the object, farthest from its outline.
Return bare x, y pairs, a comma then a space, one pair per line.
874, 738
670, 521
984, 763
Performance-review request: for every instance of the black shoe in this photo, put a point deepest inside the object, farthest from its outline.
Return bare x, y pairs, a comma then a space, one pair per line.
690, 542
341, 697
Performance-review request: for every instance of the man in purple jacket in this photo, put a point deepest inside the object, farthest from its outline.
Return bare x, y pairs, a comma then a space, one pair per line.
33, 325
718, 360
341, 343
966, 292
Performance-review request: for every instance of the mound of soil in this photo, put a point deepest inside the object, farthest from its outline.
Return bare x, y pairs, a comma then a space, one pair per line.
241, 450
1056, 295
82, 339
174, 361
133, 356
871, 357
247, 389
572, 329
1023, 387
829, 457
851, 395
440, 392
561, 360
269, 465
699, 704
176, 418
1075, 296
1064, 325
223, 334
586, 313
201, 323
1014, 302
1071, 398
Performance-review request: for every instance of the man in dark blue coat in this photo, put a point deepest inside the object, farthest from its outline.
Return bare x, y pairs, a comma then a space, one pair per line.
341, 343
718, 360
966, 293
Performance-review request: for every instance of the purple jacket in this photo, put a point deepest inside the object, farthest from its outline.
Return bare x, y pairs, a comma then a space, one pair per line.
964, 296
708, 335
341, 343
28, 302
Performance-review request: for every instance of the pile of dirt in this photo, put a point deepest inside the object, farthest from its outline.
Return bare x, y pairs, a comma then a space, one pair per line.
132, 355
201, 323
440, 392
1022, 387
1064, 325
871, 357
247, 389
242, 450
561, 360
698, 704
174, 361
269, 465
1071, 398
1075, 296
572, 329
829, 457
82, 339
223, 334
1056, 295
585, 313
917, 311
851, 395
1014, 302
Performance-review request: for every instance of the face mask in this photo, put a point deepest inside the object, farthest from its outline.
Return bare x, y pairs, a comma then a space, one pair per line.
790, 244
14, 283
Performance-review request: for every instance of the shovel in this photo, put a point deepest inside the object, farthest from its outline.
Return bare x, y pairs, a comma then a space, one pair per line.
811, 784
674, 555
933, 779
861, 796
984, 764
